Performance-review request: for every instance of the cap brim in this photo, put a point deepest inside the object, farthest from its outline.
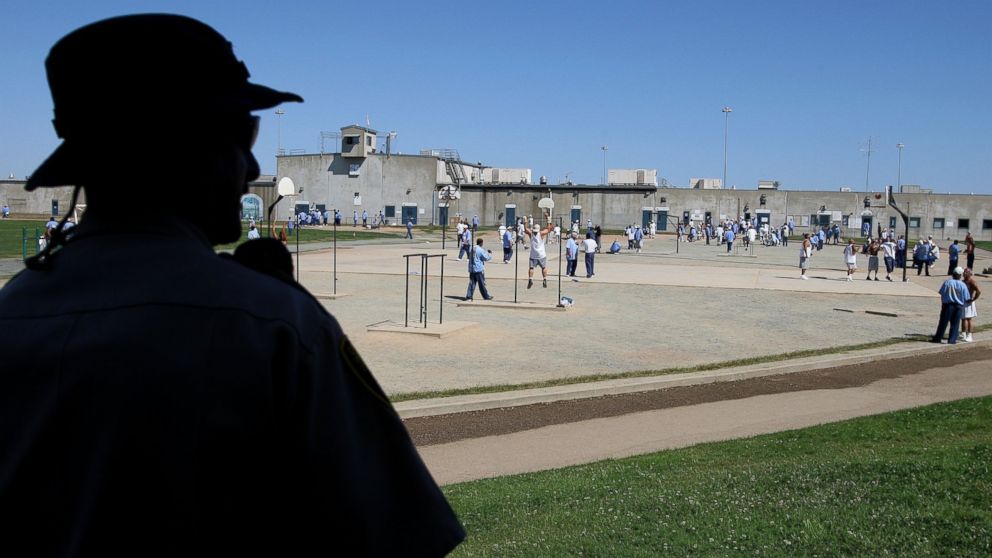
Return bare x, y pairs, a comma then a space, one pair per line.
257, 97
57, 169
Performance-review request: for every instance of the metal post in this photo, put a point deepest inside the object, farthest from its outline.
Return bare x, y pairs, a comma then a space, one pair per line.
279, 113
906, 256
335, 288
422, 298
269, 214
516, 267
676, 226
444, 234
726, 128
297, 252
423, 289
905, 220
562, 229
440, 304
868, 167
406, 306
24, 243
899, 146
605, 176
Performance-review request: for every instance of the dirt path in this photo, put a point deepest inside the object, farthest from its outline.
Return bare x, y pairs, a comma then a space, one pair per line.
507, 441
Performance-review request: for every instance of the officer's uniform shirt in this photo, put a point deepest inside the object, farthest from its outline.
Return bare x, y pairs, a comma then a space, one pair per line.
159, 400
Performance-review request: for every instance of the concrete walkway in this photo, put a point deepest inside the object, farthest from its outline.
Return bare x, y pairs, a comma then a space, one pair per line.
634, 434
517, 398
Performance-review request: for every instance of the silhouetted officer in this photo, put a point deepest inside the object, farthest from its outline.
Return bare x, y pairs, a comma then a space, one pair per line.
157, 399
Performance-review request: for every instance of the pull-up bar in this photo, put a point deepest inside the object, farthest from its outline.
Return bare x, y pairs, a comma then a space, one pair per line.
422, 316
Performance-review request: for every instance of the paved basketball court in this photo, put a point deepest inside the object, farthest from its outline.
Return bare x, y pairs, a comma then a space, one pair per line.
653, 310
658, 309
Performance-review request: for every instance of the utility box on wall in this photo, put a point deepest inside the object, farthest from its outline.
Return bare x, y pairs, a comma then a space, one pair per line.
506, 176
640, 177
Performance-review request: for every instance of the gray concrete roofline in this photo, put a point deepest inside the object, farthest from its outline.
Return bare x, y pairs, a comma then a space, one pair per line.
557, 187
377, 154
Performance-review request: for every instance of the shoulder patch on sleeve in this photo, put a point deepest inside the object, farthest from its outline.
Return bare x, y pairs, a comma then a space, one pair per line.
354, 364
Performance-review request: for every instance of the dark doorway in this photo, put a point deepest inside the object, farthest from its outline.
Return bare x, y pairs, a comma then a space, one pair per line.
866, 223
662, 220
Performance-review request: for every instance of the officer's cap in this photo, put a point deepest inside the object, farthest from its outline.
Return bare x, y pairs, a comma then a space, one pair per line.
108, 78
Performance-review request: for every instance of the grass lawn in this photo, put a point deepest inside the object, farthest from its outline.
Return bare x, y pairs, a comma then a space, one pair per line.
10, 237
11, 231
909, 483
984, 244
308, 235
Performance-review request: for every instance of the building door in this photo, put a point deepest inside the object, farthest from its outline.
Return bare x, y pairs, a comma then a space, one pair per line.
442, 215
511, 216
55, 208
685, 218
866, 225
662, 220
251, 207
645, 218
409, 214
576, 215
709, 217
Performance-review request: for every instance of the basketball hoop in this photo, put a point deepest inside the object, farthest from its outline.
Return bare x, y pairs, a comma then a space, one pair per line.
876, 200
449, 193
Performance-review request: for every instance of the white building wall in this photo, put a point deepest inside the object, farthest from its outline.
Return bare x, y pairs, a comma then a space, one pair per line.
380, 181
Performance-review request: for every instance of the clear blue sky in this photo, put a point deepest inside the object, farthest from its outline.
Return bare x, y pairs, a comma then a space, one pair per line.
543, 85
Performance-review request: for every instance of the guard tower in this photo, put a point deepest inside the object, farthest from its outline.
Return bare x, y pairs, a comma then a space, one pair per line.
357, 141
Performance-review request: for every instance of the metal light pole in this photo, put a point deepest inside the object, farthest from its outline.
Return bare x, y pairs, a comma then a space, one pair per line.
868, 151
334, 275
562, 228
605, 149
726, 128
279, 113
516, 267
905, 219
899, 146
